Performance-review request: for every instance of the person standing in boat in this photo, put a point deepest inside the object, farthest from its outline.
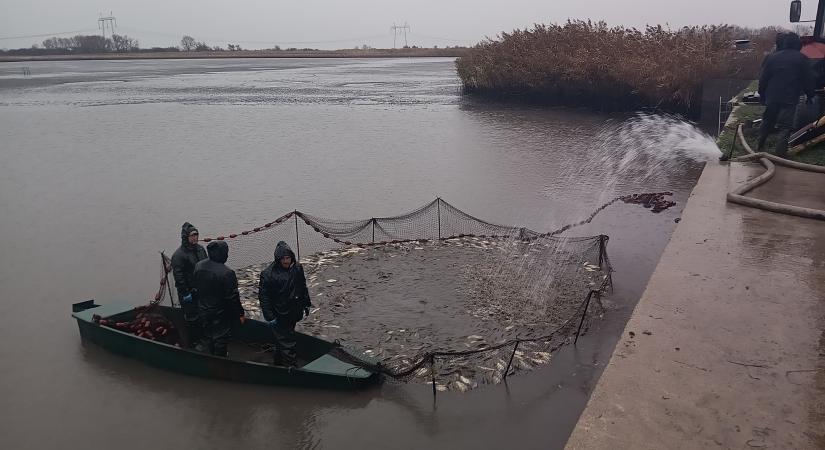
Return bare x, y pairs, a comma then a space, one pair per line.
219, 302
284, 298
183, 270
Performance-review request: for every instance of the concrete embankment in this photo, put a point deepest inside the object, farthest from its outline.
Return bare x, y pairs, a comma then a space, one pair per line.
726, 347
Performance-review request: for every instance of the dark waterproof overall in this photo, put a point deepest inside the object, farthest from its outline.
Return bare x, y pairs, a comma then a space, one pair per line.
785, 77
284, 295
183, 269
219, 301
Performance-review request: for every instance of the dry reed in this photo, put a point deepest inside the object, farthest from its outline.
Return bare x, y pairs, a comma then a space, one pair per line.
611, 68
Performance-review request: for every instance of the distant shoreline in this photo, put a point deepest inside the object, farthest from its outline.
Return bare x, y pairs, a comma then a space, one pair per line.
370, 53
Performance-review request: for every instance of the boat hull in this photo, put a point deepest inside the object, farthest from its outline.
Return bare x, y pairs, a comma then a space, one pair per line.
322, 371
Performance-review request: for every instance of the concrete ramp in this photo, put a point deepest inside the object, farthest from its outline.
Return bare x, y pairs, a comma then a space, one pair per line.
726, 347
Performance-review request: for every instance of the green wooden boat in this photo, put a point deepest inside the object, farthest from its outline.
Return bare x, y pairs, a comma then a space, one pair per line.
318, 368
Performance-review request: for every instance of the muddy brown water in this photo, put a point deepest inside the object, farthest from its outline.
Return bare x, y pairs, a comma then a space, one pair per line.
103, 161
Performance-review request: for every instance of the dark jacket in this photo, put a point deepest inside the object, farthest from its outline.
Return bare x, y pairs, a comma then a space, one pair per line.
184, 260
283, 293
786, 74
217, 284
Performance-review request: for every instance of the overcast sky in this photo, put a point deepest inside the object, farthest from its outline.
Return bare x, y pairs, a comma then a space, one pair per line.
346, 23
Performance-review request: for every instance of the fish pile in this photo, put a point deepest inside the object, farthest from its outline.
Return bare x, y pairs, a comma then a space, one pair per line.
248, 277
395, 302
146, 324
535, 291
465, 372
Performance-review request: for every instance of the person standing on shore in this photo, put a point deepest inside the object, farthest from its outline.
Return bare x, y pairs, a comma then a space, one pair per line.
284, 298
786, 75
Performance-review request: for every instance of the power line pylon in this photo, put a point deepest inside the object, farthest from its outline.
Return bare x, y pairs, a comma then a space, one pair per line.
399, 28
109, 21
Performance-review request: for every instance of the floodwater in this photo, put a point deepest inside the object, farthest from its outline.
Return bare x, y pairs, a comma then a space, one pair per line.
103, 160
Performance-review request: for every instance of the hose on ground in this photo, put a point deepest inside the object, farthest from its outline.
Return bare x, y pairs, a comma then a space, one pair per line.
767, 160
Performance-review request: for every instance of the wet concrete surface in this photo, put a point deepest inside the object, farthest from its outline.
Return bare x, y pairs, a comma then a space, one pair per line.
726, 347
792, 187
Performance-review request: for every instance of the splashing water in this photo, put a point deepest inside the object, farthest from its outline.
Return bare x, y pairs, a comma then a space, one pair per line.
645, 153
648, 151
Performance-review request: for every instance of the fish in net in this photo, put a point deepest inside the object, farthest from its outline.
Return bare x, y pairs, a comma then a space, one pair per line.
437, 295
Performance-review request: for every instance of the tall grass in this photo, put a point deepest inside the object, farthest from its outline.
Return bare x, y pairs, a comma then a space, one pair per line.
612, 68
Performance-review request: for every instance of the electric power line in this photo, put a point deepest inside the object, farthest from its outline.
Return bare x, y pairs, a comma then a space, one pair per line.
4, 38
436, 38
403, 29
271, 41
356, 39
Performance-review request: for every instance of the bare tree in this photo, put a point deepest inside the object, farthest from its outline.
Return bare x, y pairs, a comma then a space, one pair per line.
188, 44
123, 43
51, 43
67, 43
92, 43
56, 43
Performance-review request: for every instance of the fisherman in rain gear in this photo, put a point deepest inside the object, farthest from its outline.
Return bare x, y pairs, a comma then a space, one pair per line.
284, 299
183, 269
219, 301
786, 74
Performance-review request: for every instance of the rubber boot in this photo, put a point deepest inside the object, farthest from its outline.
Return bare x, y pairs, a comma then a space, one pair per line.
782, 143
761, 143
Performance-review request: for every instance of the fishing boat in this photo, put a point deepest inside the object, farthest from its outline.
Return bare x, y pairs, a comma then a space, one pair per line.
319, 361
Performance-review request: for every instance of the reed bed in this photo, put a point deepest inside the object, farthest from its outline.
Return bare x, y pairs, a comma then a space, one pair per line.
609, 68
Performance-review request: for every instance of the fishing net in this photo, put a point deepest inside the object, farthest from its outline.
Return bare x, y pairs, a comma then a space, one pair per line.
144, 321
146, 324
436, 295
